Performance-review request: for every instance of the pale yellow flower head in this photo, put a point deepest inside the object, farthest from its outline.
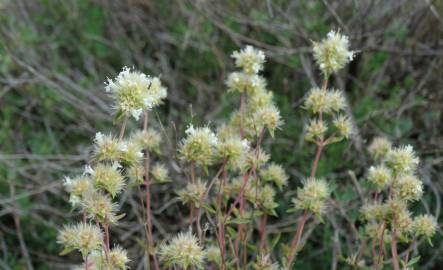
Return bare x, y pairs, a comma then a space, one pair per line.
133, 92
249, 59
183, 251
332, 53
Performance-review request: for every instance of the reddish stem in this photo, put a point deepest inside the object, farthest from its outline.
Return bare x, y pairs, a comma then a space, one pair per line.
394, 252
263, 223
296, 241
149, 236
317, 159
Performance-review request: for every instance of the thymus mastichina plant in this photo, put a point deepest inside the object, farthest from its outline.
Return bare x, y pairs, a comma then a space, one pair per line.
232, 183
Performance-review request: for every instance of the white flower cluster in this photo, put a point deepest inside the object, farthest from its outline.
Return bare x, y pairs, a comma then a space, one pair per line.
250, 60
332, 53
134, 92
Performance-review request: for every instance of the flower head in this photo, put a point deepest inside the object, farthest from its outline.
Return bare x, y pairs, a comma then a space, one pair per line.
149, 139
312, 196
107, 147
264, 262
343, 125
231, 149
133, 152
276, 174
242, 82
134, 92
136, 173
199, 145
408, 187
249, 59
160, 173
100, 206
213, 254
380, 176
425, 225
83, 236
379, 147
108, 178
332, 53
193, 193
402, 159
118, 258
268, 117
77, 187
253, 159
183, 251
325, 101
316, 130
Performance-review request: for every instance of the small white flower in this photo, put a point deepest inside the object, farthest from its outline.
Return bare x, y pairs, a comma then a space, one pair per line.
88, 170
245, 144
136, 113
332, 53
67, 182
249, 59
99, 138
190, 130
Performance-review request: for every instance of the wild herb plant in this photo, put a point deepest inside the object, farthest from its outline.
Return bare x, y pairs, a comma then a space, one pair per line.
233, 183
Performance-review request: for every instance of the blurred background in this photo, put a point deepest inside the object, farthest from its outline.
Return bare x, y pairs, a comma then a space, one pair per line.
56, 55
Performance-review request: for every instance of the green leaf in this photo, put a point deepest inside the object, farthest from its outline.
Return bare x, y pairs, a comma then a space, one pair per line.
209, 208
66, 251
239, 220
413, 261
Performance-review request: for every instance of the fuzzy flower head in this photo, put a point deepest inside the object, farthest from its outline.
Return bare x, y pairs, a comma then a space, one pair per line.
253, 159
149, 140
160, 173
183, 251
198, 146
264, 262
232, 149
249, 59
266, 199
118, 258
84, 237
425, 225
77, 188
380, 176
325, 101
379, 147
332, 53
374, 211
408, 187
136, 174
133, 153
260, 99
134, 92
213, 254
100, 206
107, 147
312, 196
316, 130
192, 193
109, 178
245, 83
402, 159
268, 117
343, 125
276, 174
